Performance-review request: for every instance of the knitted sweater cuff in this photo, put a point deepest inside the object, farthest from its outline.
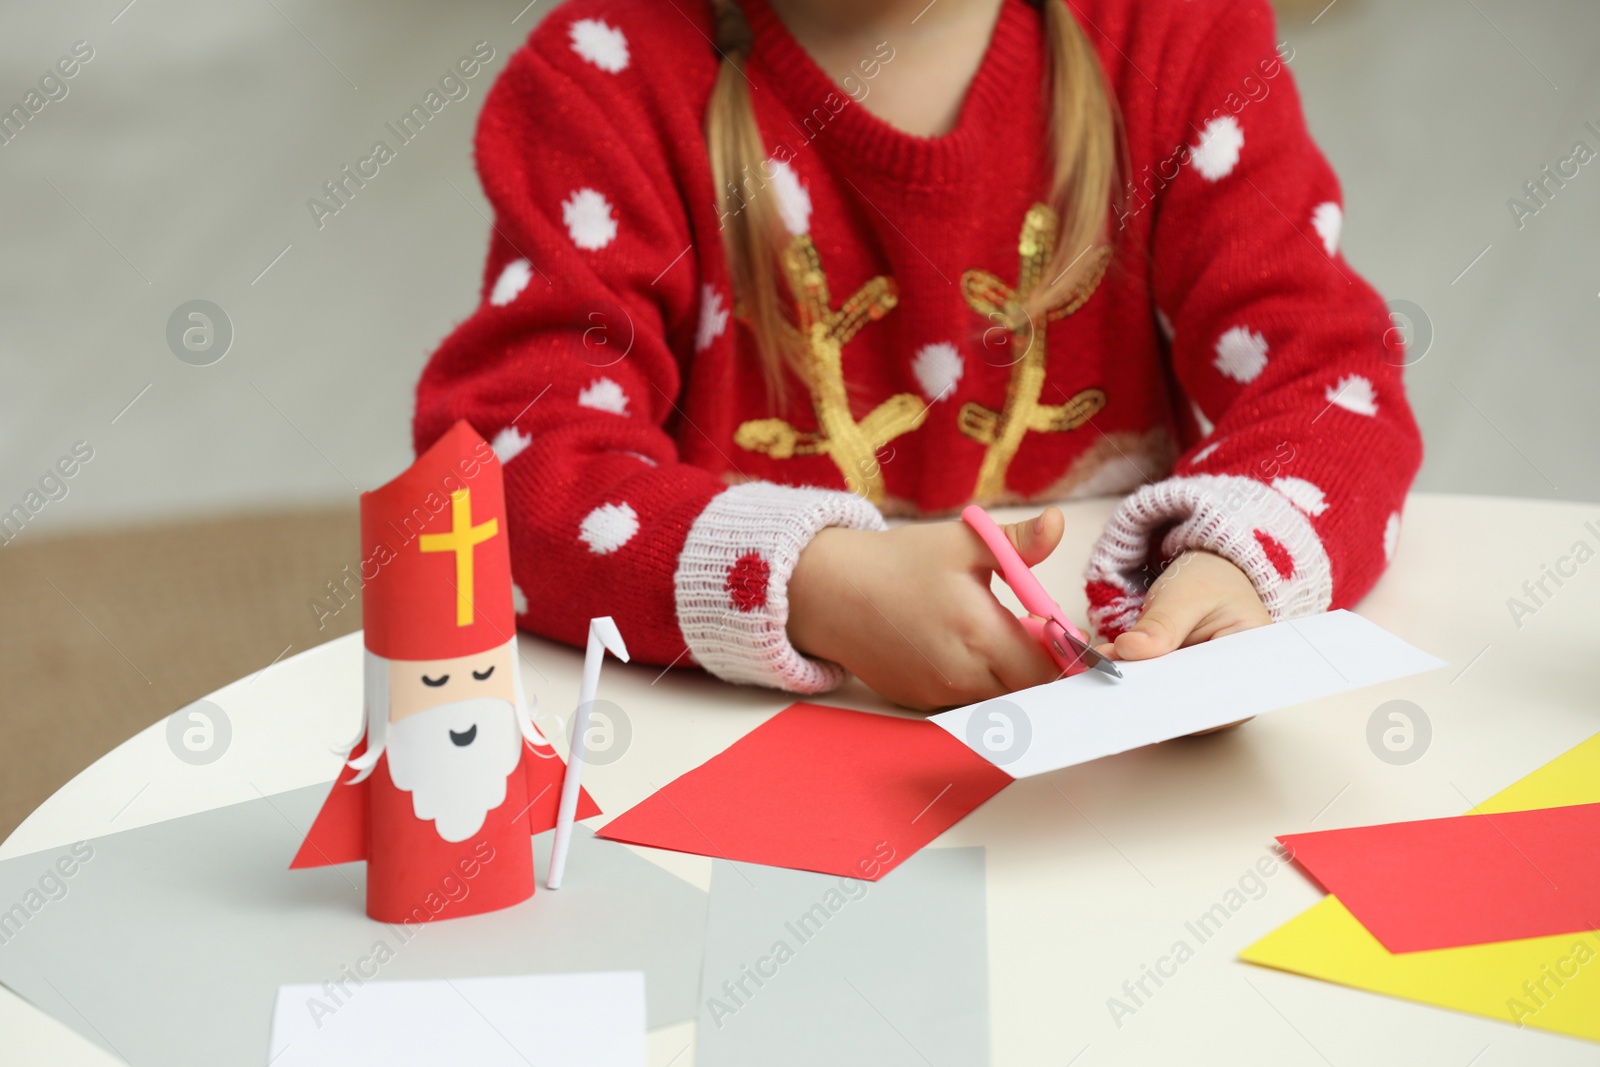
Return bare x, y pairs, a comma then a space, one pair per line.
732, 581
1243, 520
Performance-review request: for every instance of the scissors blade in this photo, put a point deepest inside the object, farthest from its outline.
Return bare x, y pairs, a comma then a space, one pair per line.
1090, 657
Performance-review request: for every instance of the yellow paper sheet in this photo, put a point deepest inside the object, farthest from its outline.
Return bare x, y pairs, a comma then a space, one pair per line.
1549, 983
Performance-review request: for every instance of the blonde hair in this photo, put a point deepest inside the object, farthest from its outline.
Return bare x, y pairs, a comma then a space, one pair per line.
1086, 138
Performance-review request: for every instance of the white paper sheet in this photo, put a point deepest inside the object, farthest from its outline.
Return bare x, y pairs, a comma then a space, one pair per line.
554, 1020
1089, 715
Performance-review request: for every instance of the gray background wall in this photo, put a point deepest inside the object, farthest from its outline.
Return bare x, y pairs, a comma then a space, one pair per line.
179, 164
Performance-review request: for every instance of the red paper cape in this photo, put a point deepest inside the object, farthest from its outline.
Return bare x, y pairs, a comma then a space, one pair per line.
424, 876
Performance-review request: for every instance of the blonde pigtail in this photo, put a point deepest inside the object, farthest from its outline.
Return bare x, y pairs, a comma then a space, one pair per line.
1086, 141
1086, 131
752, 230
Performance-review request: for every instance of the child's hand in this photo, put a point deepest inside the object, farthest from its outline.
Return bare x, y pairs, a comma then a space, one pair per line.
910, 613
1199, 596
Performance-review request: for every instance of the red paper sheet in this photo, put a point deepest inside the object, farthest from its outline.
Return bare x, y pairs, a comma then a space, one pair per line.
1469, 880
818, 789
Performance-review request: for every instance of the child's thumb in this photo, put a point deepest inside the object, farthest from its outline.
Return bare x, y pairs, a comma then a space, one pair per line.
1035, 538
1170, 616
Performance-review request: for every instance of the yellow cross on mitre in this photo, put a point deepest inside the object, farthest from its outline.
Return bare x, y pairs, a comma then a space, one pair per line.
461, 540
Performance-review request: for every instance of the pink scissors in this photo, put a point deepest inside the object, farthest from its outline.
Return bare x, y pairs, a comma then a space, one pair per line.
1045, 620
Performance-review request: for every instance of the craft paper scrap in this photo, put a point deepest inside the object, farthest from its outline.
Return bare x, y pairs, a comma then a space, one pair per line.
1442, 883
1548, 983
197, 919
818, 789
897, 970
555, 1020
1088, 715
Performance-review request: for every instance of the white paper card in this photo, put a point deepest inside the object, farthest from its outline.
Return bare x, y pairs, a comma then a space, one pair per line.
1090, 715
554, 1020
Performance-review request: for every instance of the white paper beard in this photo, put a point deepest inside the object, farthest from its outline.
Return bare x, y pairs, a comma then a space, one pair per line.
454, 760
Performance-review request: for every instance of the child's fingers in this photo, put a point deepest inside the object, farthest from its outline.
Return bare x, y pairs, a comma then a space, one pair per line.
1165, 625
1232, 625
1020, 662
1034, 539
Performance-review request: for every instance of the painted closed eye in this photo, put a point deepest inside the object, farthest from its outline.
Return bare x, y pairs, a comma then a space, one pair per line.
466, 737
435, 682
484, 675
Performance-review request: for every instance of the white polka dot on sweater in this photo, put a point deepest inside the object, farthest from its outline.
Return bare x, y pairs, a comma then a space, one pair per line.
608, 527
1353, 393
1200, 419
1218, 151
1205, 453
587, 215
603, 394
519, 600
794, 201
513, 279
600, 44
509, 443
1391, 536
1327, 219
713, 318
1241, 354
1302, 494
938, 368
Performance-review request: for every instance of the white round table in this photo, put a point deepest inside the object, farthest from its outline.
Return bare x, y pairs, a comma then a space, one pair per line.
1094, 871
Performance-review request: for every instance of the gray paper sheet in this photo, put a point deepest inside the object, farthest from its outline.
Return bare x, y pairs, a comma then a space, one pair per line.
808, 969
166, 944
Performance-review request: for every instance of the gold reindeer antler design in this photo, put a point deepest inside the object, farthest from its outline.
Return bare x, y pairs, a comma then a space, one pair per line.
1002, 431
822, 333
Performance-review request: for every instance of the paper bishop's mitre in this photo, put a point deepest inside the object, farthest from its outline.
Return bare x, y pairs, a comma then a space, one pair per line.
435, 562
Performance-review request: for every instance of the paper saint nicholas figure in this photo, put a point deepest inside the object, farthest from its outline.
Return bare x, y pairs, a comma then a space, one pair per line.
451, 777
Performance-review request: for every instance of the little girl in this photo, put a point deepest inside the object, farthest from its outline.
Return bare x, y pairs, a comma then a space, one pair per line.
765, 271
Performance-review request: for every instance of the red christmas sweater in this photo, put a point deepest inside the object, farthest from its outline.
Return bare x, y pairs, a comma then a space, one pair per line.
1231, 373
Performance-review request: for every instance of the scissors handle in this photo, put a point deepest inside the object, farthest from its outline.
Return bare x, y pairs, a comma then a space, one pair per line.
1067, 661
1017, 575
1048, 624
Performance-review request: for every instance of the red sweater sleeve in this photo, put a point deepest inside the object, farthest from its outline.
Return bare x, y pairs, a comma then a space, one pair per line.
1292, 375
573, 362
